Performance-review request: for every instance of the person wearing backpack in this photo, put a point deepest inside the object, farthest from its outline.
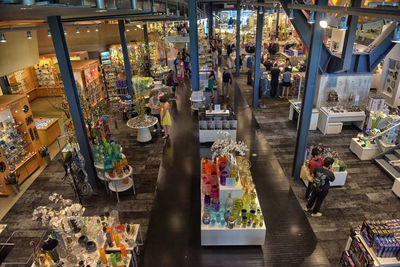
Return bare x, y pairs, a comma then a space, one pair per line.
323, 175
226, 81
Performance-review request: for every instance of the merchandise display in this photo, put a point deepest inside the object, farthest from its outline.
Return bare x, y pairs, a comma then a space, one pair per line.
331, 119
375, 243
81, 240
210, 124
19, 143
231, 213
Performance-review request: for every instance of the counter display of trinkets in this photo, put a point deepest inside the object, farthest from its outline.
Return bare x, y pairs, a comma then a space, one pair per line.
84, 241
231, 213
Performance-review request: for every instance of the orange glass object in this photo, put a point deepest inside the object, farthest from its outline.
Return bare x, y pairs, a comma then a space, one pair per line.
116, 238
123, 251
111, 234
103, 256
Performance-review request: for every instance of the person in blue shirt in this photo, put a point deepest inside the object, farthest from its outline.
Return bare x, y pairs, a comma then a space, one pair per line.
286, 82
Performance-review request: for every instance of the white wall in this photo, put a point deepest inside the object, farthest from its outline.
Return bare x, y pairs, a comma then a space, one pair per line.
338, 37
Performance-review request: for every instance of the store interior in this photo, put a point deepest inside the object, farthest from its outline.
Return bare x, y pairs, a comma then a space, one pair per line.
113, 114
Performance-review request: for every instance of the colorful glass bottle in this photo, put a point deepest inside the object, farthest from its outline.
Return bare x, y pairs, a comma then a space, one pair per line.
228, 202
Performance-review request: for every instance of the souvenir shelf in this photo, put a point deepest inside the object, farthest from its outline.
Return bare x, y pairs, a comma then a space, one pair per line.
238, 229
88, 80
19, 141
48, 130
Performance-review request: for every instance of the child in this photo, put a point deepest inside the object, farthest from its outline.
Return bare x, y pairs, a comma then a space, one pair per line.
312, 164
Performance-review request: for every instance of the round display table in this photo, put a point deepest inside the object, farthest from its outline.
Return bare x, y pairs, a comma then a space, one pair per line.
117, 184
142, 125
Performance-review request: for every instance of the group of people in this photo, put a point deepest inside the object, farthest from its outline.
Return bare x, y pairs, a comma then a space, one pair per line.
182, 65
275, 72
321, 175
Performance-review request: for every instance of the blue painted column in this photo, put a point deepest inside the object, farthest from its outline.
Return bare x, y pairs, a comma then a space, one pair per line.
71, 92
127, 64
347, 51
194, 44
260, 24
237, 37
312, 72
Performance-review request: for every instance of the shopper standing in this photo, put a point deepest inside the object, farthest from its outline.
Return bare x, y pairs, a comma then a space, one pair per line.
187, 65
275, 72
286, 82
171, 81
176, 62
226, 81
314, 162
322, 178
165, 116
155, 107
214, 58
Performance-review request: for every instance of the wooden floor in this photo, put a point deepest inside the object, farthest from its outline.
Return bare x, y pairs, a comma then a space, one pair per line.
367, 193
174, 230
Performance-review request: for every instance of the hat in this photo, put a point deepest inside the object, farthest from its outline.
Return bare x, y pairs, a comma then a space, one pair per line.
225, 68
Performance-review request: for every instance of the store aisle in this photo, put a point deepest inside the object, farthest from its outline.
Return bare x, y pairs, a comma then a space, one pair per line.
174, 230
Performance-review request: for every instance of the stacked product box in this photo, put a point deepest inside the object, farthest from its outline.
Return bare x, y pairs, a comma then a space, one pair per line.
380, 237
359, 253
346, 261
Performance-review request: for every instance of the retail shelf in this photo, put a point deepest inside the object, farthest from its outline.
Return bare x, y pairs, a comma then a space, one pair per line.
378, 261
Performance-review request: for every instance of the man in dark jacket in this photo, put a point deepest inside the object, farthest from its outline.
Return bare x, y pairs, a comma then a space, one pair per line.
275, 73
323, 175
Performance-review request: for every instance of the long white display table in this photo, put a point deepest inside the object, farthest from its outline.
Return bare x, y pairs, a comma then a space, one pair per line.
295, 106
332, 122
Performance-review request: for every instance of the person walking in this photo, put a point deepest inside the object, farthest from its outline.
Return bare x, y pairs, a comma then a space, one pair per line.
226, 81
275, 72
155, 107
286, 83
323, 175
165, 116
313, 163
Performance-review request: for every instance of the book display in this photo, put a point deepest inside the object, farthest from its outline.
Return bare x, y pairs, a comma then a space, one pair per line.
19, 143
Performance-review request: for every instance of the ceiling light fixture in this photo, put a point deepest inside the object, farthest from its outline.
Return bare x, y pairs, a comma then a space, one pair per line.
29, 35
291, 14
65, 32
311, 19
77, 30
87, 29
2, 38
396, 33
97, 28
48, 33
323, 23
127, 29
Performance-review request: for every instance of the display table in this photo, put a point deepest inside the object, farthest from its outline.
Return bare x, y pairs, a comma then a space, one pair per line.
332, 122
121, 184
212, 135
48, 130
295, 106
144, 134
363, 153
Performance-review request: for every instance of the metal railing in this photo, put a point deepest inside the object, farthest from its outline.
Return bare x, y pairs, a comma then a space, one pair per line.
378, 136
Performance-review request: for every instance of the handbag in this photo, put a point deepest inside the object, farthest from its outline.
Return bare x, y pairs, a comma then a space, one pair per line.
305, 173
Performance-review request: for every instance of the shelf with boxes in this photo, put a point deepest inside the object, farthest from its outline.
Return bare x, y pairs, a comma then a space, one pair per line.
19, 143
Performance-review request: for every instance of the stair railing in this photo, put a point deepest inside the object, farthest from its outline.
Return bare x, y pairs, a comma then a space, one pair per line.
378, 136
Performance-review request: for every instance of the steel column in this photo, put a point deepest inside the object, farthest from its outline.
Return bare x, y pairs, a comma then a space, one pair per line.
210, 20
277, 22
238, 38
194, 44
259, 30
127, 64
314, 54
347, 51
71, 92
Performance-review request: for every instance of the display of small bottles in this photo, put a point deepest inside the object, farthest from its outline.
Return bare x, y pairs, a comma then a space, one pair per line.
12, 143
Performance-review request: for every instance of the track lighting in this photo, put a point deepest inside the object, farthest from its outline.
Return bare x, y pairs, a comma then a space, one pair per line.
311, 19
2, 38
29, 35
77, 30
396, 33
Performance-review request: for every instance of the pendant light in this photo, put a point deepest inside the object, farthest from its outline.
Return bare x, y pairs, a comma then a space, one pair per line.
97, 28
396, 33
48, 33
29, 35
87, 29
65, 32
343, 23
2, 38
127, 29
291, 15
77, 30
311, 19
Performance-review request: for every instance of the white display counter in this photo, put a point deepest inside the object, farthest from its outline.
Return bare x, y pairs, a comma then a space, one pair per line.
332, 122
295, 106
363, 153
212, 135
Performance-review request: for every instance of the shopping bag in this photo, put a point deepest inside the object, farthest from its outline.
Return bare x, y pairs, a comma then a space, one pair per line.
305, 173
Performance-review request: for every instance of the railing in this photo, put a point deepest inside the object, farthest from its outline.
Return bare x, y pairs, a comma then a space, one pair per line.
378, 136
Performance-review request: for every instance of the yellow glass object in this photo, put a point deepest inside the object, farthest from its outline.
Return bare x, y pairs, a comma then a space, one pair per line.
116, 238
103, 256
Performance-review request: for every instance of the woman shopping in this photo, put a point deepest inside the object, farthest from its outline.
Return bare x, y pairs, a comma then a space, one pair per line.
165, 116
